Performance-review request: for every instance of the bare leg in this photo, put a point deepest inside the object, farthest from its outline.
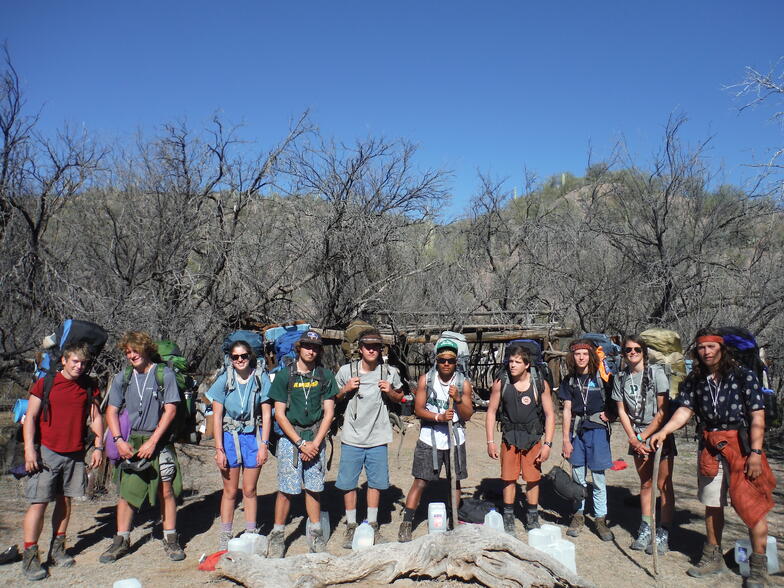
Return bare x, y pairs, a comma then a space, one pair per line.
531, 493
282, 507
415, 493
230, 478
644, 469
350, 499
509, 492
124, 516
373, 497
313, 506
758, 535
714, 524
33, 522
250, 477
666, 490
168, 506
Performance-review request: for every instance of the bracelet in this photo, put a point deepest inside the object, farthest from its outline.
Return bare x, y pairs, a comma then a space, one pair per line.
265, 442
757, 451
220, 449
548, 443
300, 443
99, 448
491, 441
116, 438
639, 438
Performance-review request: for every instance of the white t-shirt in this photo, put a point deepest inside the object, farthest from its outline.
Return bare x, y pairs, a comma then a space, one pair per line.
439, 404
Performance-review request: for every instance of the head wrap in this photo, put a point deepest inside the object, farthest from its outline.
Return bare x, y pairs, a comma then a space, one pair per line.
710, 339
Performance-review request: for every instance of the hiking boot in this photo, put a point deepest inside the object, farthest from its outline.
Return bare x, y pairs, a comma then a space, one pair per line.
532, 520
171, 545
31, 564
509, 524
643, 537
223, 540
276, 544
317, 541
711, 563
603, 530
576, 525
404, 534
120, 546
57, 554
758, 571
662, 542
377, 536
348, 536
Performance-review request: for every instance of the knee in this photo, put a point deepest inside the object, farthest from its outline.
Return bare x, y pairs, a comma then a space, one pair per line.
248, 493
646, 485
166, 492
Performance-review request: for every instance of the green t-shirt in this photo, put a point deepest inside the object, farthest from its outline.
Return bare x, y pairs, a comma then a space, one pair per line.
304, 395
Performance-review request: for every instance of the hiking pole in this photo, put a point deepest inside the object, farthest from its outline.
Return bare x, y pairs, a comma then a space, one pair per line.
452, 474
654, 488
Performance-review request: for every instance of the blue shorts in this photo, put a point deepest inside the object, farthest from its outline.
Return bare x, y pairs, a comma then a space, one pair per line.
249, 448
294, 474
374, 459
592, 448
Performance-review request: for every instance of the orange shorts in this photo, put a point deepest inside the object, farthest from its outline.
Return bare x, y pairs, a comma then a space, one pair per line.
516, 462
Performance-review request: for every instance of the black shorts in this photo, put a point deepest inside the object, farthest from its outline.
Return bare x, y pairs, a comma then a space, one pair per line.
423, 462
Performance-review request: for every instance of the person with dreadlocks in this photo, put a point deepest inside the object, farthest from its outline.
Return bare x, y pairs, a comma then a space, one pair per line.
641, 391
727, 399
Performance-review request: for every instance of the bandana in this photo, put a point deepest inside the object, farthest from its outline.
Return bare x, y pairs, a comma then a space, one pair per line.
576, 346
710, 339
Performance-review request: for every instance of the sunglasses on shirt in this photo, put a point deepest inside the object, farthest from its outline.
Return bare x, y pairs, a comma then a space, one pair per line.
239, 356
632, 349
447, 360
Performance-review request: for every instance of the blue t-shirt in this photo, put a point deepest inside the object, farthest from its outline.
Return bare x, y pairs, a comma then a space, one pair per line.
238, 402
587, 395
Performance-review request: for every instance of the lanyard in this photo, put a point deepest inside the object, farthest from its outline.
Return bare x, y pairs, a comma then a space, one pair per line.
139, 390
584, 391
305, 389
243, 400
713, 387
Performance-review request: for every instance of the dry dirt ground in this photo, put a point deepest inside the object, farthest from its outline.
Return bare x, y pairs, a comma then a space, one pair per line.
604, 564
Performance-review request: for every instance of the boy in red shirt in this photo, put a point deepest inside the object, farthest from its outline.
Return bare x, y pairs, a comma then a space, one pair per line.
54, 455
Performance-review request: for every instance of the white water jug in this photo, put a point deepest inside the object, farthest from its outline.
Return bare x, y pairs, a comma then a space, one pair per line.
240, 545
436, 517
127, 583
363, 537
743, 553
256, 542
553, 532
494, 520
539, 539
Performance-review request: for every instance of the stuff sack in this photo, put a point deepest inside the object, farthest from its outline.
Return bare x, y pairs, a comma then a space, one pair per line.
565, 486
473, 510
665, 349
284, 338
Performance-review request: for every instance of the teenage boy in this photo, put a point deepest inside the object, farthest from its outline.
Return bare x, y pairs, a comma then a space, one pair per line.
526, 413
728, 400
150, 470
54, 455
304, 406
366, 385
435, 391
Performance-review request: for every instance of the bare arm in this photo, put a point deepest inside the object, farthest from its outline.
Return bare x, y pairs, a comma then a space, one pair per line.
28, 431
680, 418
757, 435
465, 404
420, 398
567, 425
217, 435
549, 422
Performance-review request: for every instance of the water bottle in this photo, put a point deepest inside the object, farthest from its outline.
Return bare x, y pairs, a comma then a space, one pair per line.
127, 583
494, 520
363, 537
436, 517
539, 539
325, 525
240, 545
552, 532
743, 552
255, 543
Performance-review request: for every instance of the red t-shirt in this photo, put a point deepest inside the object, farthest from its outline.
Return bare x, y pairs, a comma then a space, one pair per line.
69, 405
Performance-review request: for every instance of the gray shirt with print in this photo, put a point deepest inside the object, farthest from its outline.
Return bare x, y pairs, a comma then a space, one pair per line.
142, 399
641, 405
366, 420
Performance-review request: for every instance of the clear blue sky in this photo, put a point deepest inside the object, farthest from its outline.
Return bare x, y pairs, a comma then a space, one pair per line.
492, 86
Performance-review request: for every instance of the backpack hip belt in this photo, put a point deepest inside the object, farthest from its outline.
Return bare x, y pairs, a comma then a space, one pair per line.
434, 447
234, 427
299, 430
591, 418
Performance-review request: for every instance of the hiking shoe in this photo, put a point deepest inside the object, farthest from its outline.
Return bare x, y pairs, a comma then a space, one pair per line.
532, 520
377, 536
57, 554
317, 541
120, 546
758, 571
31, 564
171, 545
662, 542
603, 530
711, 563
223, 540
276, 544
509, 523
404, 534
576, 525
643, 537
348, 536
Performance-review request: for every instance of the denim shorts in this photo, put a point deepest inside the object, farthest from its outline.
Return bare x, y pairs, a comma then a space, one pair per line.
249, 449
64, 474
294, 474
374, 459
592, 449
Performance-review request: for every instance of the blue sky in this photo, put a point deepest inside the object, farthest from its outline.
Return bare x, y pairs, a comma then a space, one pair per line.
491, 86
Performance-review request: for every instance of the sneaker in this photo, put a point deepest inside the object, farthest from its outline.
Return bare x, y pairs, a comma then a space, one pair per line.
404, 534
276, 545
509, 523
643, 539
348, 536
31, 564
603, 530
223, 540
576, 525
120, 546
711, 563
317, 542
171, 545
532, 520
377, 536
57, 553
662, 542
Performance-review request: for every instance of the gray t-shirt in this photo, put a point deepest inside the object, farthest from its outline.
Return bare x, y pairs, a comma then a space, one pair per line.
142, 400
366, 420
641, 405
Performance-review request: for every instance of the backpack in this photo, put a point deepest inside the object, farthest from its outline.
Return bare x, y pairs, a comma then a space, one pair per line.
70, 331
256, 342
665, 349
538, 368
185, 421
609, 353
283, 338
463, 352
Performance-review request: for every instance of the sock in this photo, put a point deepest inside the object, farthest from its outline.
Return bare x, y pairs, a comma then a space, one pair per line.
408, 515
351, 516
372, 515
125, 534
28, 544
250, 526
647, 519
509, 509
226, 527
315, 527
534, 508
280, 528
169, 532
59, 535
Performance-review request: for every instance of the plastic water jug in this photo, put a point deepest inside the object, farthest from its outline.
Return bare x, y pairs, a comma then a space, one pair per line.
552, 532
363, 537
564, 553
241, 544
127, 583
494, 520
436, 517
324, 526
539, 539
256, 542
743, 552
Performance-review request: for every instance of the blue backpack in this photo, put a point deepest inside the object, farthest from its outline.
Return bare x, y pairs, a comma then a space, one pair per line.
284, 339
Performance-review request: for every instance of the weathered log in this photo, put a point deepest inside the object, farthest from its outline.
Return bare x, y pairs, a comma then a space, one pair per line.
471, 554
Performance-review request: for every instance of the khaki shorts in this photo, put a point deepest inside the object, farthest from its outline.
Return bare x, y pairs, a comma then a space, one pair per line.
64, 474
713, 491
518, 462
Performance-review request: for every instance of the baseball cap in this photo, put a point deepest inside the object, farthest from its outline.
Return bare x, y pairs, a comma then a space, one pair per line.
446, 345
311, 337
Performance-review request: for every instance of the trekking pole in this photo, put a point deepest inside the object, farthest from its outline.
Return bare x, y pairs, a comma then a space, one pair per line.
654, 488
452, 474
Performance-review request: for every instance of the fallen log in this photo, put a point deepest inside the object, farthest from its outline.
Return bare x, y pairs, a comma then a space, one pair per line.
471, 554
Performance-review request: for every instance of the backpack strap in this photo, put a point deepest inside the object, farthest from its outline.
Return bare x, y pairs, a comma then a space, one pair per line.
48, 383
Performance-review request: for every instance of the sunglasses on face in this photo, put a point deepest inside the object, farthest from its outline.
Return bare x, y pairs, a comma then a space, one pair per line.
239, 356
372, 347
632, 350
446, 360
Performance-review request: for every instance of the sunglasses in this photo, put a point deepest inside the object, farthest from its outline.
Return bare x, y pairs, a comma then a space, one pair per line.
447, 360
372, 347
632, 349
239, 356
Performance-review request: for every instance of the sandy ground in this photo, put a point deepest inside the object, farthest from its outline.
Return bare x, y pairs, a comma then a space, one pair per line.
604, 564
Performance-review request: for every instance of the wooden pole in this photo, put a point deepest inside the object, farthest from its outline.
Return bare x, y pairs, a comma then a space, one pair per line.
452, 468
654, 487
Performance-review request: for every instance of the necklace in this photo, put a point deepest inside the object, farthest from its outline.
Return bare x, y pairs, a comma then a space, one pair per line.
584, 391
244, 399
714, 385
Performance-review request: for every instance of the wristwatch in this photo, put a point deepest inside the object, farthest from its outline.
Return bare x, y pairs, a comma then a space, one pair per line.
300, 443
757, 451
548, 443
116, 438
99, 448
265, 442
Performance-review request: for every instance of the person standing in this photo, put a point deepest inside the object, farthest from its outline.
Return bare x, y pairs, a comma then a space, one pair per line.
727, 399
366, 385
54, 455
